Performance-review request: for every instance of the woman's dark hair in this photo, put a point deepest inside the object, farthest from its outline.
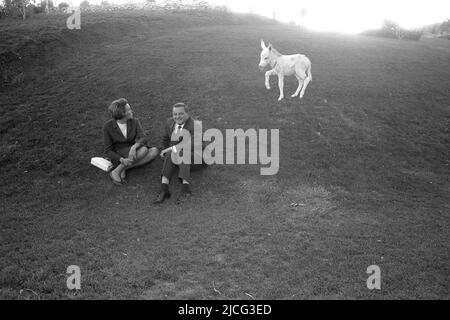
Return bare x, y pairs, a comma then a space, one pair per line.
118, 108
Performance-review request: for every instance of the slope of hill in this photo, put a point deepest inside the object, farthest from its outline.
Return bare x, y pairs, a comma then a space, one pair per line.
363, 176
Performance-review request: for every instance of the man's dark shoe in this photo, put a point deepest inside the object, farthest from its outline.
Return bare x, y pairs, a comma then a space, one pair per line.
185, 194
183, 197
162, 195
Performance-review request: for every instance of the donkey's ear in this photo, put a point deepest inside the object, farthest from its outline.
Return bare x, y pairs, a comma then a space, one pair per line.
269, 47
263, 45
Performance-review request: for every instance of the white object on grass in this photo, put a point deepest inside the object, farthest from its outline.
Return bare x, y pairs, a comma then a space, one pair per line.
101, 163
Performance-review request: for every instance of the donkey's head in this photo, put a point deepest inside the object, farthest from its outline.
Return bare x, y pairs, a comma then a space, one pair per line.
265, 55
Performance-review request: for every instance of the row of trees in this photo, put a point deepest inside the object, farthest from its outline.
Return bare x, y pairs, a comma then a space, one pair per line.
439, 29
391, 29
24, 8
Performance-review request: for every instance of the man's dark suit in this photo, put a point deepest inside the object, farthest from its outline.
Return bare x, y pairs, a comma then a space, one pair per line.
116, 146
169, 167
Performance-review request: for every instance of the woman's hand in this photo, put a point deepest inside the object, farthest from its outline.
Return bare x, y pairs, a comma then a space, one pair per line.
126, 162
132, 154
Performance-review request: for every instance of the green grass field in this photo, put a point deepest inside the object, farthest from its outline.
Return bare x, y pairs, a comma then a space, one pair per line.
366, 154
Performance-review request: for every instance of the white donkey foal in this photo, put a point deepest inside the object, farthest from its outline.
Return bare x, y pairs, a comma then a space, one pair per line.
285, 65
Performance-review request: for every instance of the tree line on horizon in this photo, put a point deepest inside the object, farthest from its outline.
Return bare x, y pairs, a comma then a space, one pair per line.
25, 8
391, 29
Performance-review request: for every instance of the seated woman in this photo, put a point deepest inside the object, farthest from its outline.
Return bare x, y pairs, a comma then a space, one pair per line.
124, 141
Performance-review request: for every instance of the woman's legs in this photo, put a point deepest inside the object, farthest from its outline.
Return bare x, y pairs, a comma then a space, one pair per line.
143, 156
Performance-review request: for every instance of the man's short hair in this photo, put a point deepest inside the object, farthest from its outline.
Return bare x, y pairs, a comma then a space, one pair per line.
118, 108
181, 104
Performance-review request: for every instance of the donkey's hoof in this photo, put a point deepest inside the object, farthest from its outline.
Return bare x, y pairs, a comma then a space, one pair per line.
293, 96
280, 98
268, 87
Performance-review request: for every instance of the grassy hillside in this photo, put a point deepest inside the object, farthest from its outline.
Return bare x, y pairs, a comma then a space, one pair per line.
363, 179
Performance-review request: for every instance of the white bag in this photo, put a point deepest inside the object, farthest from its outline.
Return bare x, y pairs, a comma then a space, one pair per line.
102, 163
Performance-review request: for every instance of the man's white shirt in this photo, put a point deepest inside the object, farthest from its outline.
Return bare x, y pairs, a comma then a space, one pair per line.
178, 128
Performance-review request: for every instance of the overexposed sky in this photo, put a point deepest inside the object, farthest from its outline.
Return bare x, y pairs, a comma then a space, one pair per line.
349, 16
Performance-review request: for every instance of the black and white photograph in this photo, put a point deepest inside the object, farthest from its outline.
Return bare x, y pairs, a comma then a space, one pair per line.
240, 152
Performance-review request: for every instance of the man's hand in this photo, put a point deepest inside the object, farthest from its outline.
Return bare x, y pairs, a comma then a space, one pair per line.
163, 153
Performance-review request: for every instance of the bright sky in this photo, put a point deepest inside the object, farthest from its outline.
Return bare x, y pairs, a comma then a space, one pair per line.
350, 16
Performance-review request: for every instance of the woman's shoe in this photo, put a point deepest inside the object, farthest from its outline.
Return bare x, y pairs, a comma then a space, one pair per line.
123, 178
117, 183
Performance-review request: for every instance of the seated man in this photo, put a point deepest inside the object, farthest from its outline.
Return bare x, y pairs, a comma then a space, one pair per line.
180, 121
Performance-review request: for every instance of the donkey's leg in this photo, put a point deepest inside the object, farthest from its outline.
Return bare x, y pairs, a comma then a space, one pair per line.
307, 80
300, 84
281, 86
268, 74
301, 76
305, 84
